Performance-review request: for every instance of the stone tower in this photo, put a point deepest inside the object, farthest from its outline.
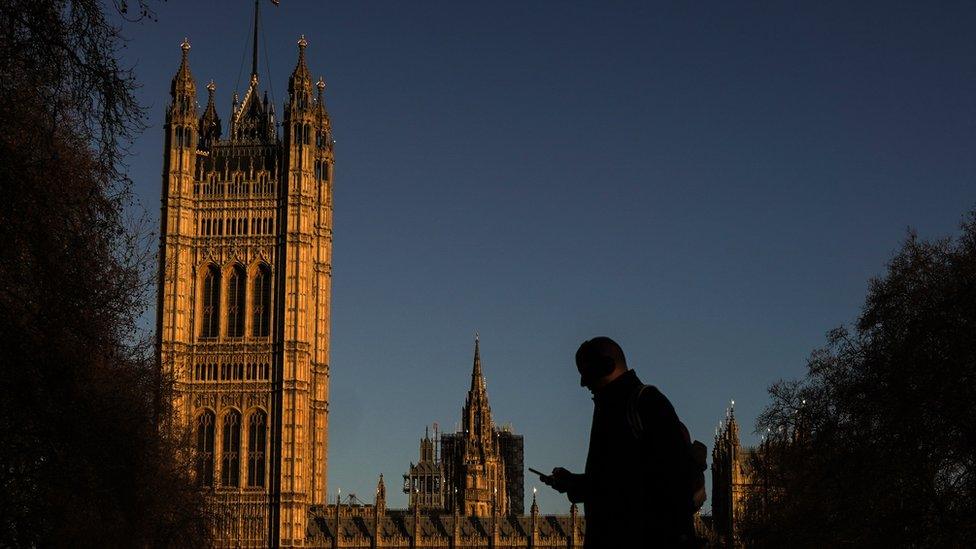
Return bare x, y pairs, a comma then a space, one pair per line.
473, 465
424, 481
731, 481
244, 300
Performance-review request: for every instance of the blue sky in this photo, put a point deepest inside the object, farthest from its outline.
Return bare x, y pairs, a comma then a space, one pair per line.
711, 184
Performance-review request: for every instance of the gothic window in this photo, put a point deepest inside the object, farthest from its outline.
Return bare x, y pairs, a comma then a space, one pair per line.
261, 302
205, 448
235, 302
230, 464
211, 302
257, 425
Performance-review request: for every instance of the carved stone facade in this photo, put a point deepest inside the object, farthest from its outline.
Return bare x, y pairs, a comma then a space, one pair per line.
474, 470
244, 300
732, 481
340, 526
478, 468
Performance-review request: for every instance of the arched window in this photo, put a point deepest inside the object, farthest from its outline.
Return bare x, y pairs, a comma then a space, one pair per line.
205, 448
257, 425
235, 302
230, 464
261, 302
211, 303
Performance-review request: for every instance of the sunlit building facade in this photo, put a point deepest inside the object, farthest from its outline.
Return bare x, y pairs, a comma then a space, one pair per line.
244, 300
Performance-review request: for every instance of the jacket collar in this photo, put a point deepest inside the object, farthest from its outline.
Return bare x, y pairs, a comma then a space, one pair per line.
617, 389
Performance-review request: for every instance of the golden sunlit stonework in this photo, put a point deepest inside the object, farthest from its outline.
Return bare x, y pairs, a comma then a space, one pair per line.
243, 324
732, 483
244, 300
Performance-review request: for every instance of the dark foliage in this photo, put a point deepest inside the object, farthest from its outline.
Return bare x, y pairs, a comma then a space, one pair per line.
82, 461
877, 445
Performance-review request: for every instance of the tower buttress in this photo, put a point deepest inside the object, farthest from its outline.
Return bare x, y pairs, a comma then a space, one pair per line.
177, 222
305, 215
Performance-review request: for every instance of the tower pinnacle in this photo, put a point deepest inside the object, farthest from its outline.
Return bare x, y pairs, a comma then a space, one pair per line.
183, 81
477, 377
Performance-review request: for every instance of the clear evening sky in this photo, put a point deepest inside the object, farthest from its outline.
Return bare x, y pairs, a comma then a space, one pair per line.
710, 183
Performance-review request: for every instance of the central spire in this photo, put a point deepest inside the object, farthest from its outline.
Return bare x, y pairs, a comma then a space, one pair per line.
477, 377
477, 412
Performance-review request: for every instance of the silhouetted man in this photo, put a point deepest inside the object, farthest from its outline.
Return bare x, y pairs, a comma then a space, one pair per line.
637, 489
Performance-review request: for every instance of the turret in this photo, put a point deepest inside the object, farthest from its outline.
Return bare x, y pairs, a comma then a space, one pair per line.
176, 217
181, 124
534, 522
380, 500
300, 82
725, 469
209, 123
183, 89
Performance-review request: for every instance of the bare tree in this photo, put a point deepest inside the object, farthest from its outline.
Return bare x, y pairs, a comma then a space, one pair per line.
876, 446
82, 461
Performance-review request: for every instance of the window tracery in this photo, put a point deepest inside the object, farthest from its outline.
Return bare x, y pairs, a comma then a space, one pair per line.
211, 303
256, 440
205, 448
230, 464
235, 302
261, 302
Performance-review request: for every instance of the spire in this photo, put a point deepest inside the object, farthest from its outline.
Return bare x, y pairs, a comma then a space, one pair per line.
381, 489
183, 84
477, 378
301, 79
476, 416
733, 426
379, 503
210, 122
320, 102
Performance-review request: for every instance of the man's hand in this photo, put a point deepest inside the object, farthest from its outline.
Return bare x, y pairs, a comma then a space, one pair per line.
560, 480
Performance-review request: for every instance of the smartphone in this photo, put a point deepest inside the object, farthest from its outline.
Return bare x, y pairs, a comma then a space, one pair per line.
541, 475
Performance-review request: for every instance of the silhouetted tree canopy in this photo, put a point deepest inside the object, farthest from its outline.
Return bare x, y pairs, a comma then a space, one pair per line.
82, 462
877, 445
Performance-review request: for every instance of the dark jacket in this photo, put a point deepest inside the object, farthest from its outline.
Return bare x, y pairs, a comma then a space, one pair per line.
635, 491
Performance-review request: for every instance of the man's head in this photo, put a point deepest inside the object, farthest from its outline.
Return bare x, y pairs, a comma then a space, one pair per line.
599, 361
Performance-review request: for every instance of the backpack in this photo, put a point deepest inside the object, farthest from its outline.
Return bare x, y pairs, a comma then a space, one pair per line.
697, 452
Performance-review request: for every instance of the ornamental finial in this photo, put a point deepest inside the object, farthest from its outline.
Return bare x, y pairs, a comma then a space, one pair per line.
185, 46
302, 43
320, 84
211, 87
